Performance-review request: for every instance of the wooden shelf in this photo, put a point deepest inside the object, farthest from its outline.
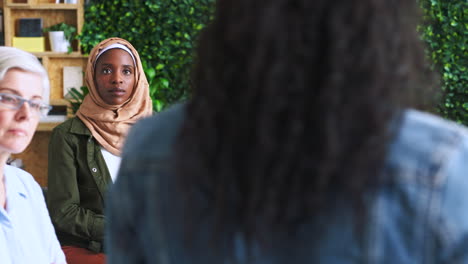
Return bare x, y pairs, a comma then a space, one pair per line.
43, 6
47, 126
59, 101
51, 14
48, 11
52, 54
35, 156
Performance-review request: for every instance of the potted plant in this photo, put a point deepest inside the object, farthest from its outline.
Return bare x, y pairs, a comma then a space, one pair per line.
60, 36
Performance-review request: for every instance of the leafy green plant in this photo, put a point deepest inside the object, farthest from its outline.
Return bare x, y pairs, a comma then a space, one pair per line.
163, 32
156, 85
445, 32
77, 96
68, 30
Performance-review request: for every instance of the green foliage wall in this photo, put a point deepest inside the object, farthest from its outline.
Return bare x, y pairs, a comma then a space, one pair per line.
446, 33
163, 31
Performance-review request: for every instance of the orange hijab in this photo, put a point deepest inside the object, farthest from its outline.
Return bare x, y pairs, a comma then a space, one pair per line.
109, 124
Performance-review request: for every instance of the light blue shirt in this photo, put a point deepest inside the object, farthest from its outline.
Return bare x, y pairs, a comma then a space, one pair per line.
26, 232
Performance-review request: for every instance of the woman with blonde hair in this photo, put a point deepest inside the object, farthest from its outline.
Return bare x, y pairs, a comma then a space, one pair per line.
26, 232
84, 152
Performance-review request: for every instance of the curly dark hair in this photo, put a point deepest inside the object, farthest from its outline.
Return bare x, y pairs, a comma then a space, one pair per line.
292, 102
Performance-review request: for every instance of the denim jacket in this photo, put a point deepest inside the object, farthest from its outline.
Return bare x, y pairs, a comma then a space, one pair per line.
421, 216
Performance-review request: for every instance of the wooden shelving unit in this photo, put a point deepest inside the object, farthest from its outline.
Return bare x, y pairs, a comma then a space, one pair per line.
35, 156
51, 14
44, 127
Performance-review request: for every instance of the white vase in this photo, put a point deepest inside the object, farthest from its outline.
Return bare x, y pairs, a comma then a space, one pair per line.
58, 42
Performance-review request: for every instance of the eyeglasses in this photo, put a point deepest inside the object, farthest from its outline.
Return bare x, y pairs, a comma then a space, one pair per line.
15, 102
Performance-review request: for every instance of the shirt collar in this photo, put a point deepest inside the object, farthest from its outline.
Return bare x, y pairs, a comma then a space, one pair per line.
78, 127
13, 184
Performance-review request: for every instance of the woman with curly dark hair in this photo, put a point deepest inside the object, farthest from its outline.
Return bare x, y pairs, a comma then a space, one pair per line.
301, 144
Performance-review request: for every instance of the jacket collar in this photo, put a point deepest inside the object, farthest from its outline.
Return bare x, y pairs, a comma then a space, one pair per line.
78, 127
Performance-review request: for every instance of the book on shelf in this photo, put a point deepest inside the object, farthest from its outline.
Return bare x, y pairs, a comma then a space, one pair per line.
30, 27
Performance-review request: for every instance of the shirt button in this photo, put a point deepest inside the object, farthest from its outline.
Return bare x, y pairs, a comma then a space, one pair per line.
94, 169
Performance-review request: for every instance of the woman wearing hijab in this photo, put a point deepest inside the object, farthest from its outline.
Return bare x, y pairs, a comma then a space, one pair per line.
84, 151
